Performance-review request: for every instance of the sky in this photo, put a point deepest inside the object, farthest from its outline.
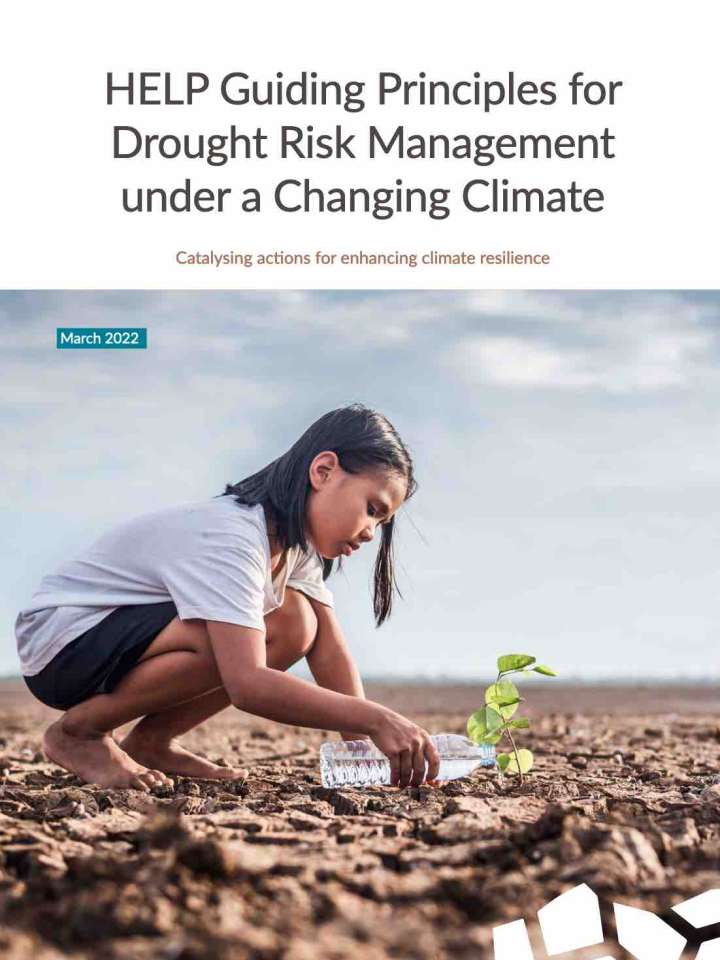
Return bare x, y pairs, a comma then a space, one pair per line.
565, 443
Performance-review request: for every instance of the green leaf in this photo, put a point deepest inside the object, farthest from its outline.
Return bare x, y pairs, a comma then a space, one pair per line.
504, 697
485, 720
526, 761
502, 692
482, 723
519, 723
493, 738
514, 661
503, 761
544, 670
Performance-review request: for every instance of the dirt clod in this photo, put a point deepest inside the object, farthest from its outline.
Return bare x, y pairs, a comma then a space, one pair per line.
276, 867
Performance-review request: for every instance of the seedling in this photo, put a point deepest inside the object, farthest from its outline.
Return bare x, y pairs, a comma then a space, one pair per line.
497, 718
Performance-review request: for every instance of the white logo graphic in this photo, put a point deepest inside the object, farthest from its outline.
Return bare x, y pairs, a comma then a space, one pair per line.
572, 921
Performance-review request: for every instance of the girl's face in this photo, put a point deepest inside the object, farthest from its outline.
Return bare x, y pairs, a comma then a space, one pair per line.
344, 510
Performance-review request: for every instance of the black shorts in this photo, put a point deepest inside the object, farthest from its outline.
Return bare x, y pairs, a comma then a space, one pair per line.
97, 660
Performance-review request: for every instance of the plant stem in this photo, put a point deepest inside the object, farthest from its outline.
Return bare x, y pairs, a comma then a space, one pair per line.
517, 755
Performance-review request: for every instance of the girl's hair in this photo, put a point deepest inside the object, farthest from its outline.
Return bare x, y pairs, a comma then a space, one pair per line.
362, 439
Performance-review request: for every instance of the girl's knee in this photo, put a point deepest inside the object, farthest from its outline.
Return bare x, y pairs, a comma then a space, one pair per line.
294, 624
302, 621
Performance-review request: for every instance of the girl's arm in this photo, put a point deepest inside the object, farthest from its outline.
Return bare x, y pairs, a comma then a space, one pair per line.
331, 661
240, 653
254, 687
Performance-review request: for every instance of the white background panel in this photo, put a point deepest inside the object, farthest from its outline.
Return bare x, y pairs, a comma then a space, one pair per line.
64, 226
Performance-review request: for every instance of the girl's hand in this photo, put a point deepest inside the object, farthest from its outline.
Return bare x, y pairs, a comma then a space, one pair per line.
408, 748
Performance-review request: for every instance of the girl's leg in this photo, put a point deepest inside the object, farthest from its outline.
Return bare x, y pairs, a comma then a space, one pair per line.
177, 666
175, 686
290, 634
152, 741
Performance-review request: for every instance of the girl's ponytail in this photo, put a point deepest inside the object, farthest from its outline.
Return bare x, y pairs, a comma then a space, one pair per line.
385, 584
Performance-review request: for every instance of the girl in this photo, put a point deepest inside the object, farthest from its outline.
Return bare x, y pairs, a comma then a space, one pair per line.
173, 616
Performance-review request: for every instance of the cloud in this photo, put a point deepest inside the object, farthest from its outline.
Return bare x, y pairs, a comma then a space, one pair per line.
516, 362
630, 345
564, 444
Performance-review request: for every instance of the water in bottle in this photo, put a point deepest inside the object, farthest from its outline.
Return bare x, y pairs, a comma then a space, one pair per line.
359, 763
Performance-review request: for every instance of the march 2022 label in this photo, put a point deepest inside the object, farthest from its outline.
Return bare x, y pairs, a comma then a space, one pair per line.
101, 338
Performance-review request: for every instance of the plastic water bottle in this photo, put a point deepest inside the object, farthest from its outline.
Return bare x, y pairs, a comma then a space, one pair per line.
359, 763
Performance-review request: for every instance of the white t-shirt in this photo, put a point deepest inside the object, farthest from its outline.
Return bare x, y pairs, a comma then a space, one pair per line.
212, 559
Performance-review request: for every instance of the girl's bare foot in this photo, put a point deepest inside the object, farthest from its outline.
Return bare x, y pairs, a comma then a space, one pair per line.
170, 757
99, 761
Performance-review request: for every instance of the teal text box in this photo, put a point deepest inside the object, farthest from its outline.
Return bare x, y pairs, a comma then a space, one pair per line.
101, 338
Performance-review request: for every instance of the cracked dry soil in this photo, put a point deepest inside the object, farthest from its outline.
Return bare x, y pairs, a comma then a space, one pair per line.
278, 868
